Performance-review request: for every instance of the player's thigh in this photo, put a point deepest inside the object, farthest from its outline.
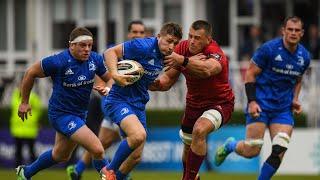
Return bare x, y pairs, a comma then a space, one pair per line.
255, 130
87, 139
63, 147
276, 128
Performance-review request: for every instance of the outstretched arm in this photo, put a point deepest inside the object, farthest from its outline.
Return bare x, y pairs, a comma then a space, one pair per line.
165, 81
198, 65
35, 71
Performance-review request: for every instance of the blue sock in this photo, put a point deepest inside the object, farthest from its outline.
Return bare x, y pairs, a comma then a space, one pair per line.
120, 175
267, 171
121, 155
80, 167
231, 146
44, 161
99, 163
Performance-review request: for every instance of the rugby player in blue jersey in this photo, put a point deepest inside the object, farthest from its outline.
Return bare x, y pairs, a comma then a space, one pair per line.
125, 103
109, 131
72, 72
272, 82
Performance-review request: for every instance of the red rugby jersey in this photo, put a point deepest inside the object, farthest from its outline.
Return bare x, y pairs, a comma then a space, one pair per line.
214, 90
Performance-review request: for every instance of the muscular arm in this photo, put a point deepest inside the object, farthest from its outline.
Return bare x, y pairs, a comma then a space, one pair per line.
165, 81
203, 68
35, 71
297, 89
252, 72
198, 65
250, 78
111, 57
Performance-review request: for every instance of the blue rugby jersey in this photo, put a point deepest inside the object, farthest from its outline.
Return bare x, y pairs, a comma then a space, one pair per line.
147, 53
72, 81
280, 70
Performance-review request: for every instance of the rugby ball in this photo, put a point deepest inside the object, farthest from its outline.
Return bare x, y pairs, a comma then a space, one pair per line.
130, 67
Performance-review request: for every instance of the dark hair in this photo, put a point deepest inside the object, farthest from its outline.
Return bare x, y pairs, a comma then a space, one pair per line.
202, 24
78, 31
134, 22
294, 19
171, 28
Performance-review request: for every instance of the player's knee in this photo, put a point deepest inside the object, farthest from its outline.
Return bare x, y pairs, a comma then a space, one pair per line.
252, 147
97, 152
137, 139
199, 132
279, 146
106, 142
251, 152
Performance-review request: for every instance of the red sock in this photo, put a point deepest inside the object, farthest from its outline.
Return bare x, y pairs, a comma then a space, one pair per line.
194, 162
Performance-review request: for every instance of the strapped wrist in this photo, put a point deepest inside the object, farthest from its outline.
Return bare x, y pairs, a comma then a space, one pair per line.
185, 61
250, 91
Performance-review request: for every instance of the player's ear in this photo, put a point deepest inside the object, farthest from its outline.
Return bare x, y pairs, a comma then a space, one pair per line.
302, 32
282, 30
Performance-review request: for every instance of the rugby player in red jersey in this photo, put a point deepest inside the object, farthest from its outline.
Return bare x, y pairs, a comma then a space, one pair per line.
209, 101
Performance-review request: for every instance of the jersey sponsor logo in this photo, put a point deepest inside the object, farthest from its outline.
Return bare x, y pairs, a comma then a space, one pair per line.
286, 71
82, 77
289, 66
71, 125
152, 73
215, 56
92, 66
278, 58
69, 72
151, 61
124, 111
71, 85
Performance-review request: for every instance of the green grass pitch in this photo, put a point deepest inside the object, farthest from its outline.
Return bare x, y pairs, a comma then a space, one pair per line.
6, 174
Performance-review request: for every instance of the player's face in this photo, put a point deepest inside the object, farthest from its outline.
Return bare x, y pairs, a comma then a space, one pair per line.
137, 31
81, 50
292, 32
198, 40
167, 43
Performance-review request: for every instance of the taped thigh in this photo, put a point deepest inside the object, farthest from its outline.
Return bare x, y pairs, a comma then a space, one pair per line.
213, 116
282, 139
254, 142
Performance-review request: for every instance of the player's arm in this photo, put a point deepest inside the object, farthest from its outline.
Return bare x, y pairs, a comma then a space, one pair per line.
111, 57
203, 68
198, 65
165, 81
296, 106
103, 83
250, 78
33, 72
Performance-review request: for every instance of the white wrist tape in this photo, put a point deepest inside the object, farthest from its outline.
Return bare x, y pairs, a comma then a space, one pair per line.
81, 38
